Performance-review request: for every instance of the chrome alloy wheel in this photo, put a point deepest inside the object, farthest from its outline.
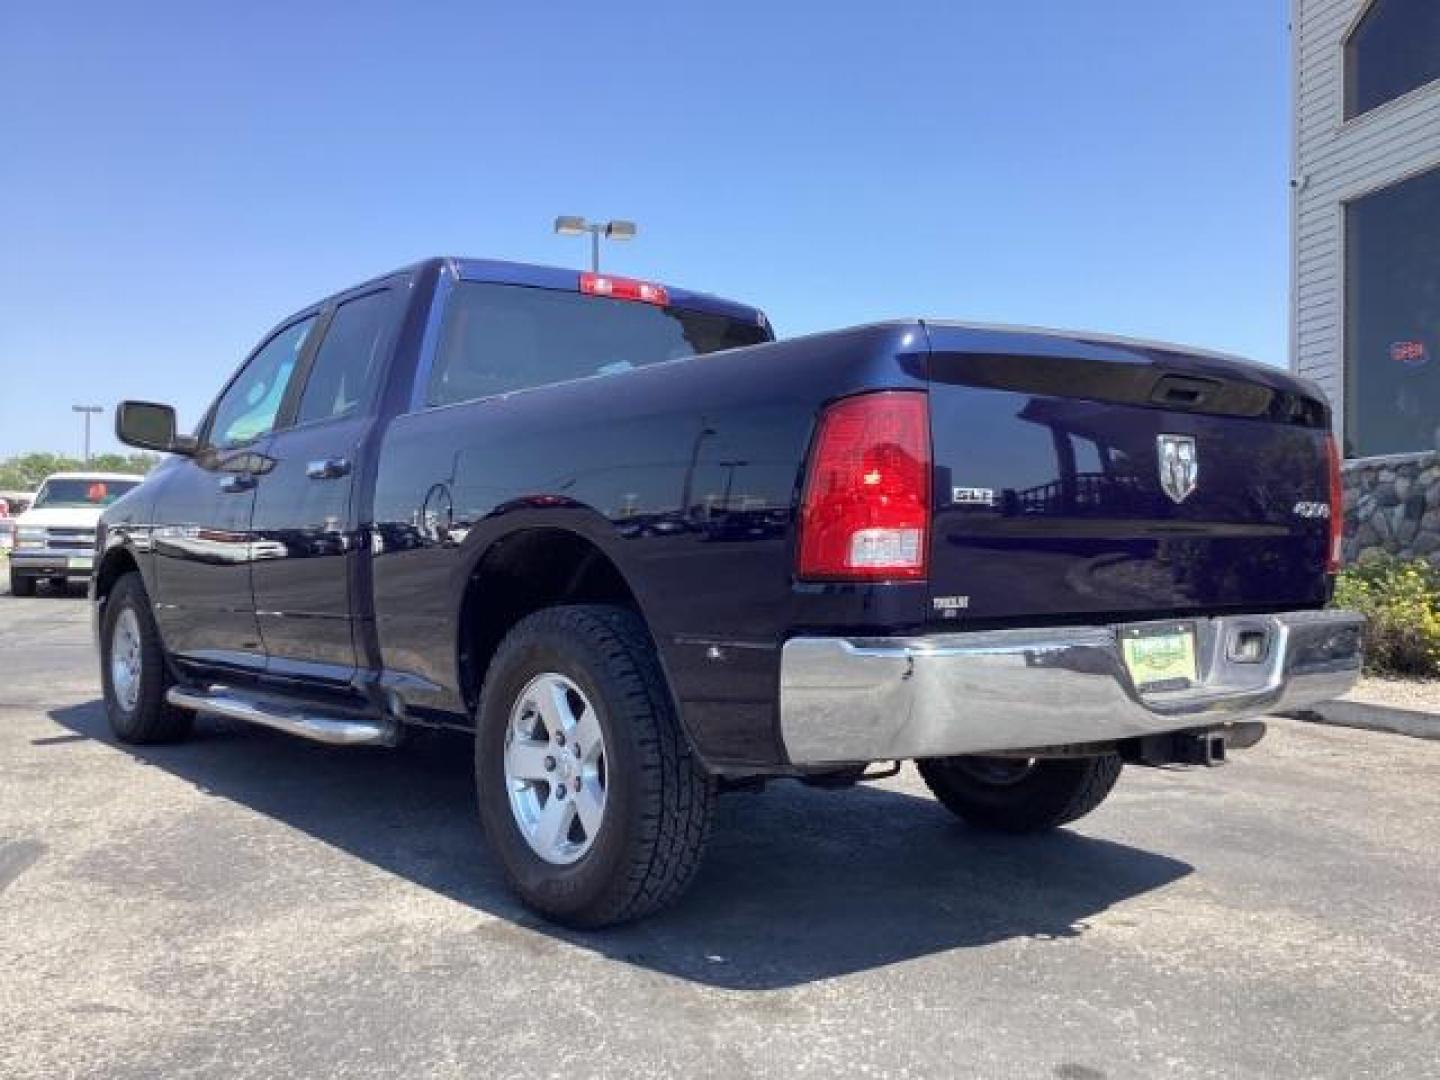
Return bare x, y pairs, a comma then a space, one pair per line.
125, 659
555, 768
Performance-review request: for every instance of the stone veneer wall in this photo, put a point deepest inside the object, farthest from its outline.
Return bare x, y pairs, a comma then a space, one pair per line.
1392, 506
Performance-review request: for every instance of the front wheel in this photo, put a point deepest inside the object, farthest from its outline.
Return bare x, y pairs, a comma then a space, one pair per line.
21, 584
589, 794
133, 673
1021, 795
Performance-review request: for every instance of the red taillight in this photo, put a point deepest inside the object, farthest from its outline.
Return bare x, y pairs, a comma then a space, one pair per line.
623, 288
865, 514
1337, 507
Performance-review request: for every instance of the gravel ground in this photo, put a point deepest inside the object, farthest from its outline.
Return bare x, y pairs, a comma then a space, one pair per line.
1414, 695
247, 904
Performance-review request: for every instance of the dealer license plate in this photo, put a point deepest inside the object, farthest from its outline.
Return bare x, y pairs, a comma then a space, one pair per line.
79, 562
1160, 657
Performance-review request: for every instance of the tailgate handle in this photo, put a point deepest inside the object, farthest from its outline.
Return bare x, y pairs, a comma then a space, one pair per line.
1182, 391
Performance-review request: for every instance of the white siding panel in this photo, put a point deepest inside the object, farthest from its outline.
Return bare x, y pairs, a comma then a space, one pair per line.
1315, 225
1398, 120
1317, 325
1376, 146
1318, 92
1322, 24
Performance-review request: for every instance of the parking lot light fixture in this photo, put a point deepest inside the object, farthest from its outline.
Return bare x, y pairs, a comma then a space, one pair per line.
569, 225
87, 411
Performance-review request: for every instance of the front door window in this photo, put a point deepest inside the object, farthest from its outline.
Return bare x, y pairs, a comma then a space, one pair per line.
251, 402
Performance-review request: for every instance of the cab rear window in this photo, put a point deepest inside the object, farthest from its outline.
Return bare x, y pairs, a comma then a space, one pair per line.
498, 338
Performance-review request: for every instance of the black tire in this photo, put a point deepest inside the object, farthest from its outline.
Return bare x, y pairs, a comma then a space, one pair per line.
659, 802
21, 584
1005, 795
151, 719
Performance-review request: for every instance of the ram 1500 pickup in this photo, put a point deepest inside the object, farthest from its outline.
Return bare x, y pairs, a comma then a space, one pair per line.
645, 554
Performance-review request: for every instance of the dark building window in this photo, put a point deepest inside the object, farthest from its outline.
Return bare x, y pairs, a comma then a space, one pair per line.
1393, 49
1392, 318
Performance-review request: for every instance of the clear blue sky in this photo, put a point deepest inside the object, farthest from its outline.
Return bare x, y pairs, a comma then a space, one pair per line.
176, 178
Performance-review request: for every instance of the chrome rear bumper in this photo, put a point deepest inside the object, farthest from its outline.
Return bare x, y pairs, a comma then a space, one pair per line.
876, 699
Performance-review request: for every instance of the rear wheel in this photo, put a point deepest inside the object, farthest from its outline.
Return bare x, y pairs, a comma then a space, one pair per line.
589, 794
1018, 794
133, 672
21, 584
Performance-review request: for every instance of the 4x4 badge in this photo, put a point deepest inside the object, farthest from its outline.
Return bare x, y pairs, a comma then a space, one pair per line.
1179, 465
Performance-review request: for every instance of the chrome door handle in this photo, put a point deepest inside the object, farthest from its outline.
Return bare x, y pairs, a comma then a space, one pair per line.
237, 482
328, 468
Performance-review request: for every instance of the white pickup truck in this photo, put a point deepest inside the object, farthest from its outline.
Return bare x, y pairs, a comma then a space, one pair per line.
55, 538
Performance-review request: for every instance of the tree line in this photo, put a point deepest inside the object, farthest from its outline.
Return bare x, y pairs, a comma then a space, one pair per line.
24, 472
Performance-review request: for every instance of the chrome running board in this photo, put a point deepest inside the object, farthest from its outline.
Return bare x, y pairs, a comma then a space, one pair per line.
336, 727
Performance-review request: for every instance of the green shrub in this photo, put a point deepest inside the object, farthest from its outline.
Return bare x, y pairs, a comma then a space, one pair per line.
1401, 600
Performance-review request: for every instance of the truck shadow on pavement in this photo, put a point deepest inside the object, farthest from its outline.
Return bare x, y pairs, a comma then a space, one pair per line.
798, 884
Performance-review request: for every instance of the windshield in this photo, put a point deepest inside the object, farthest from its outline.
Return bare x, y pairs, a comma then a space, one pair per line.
81, 493
498, 338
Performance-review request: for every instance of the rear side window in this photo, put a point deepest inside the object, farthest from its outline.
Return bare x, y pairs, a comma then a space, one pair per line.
348, 360
498, 338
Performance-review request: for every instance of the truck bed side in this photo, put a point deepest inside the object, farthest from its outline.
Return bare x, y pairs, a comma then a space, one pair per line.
685, 475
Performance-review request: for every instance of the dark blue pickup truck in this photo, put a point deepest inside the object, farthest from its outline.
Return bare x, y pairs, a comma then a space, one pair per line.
646, 554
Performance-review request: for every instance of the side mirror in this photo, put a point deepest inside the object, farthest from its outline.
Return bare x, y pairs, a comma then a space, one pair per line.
150, 426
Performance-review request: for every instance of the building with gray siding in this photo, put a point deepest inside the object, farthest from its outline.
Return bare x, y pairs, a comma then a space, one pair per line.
1365, 320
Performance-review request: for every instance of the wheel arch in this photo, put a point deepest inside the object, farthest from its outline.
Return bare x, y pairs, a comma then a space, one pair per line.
524, 571
114, 564
118, 559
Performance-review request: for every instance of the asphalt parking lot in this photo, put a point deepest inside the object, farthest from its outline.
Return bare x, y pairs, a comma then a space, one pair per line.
249, 904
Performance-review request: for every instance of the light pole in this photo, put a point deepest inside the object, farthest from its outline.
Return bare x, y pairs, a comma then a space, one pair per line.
88, 411
611, 230
689, 485
730, 467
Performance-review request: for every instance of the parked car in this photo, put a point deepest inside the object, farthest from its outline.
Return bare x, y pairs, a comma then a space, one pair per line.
12, 505
55, 537
17, 502
646, 555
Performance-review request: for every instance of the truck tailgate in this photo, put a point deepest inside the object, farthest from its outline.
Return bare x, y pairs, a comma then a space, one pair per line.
1081, 479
